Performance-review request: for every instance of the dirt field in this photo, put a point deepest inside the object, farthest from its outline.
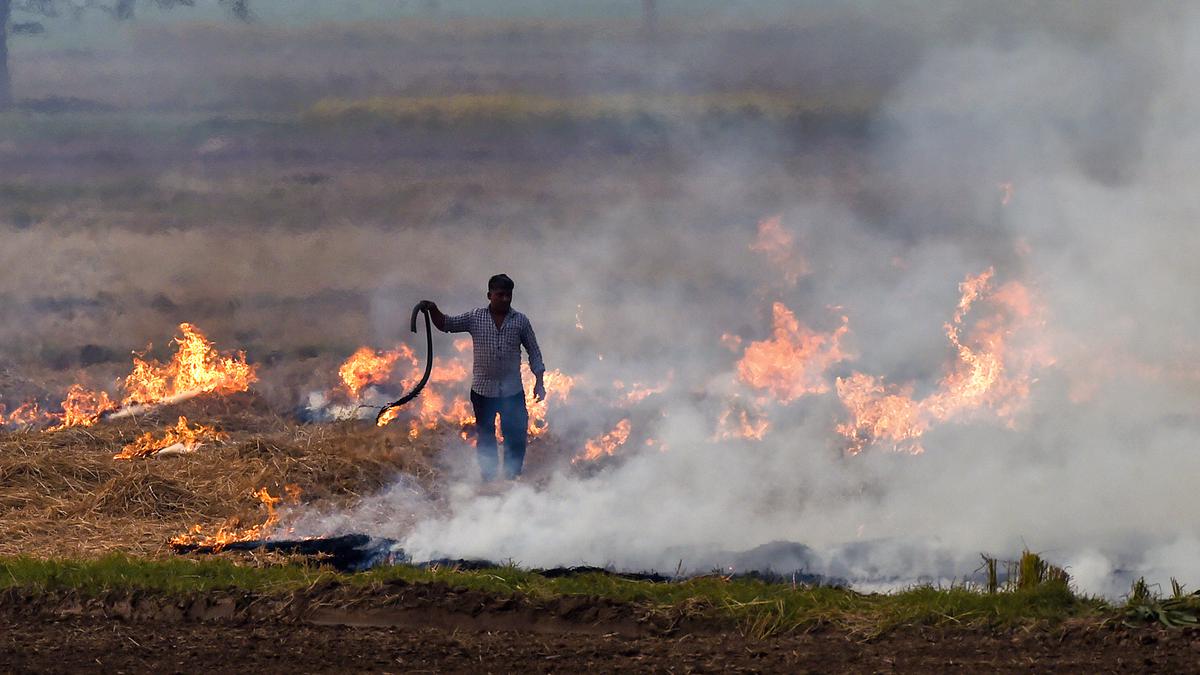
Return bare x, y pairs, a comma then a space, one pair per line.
435, 628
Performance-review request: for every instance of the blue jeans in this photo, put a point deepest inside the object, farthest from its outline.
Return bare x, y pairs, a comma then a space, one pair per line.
514, 420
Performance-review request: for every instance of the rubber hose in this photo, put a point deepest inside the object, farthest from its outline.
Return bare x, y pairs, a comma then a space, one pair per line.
428, 363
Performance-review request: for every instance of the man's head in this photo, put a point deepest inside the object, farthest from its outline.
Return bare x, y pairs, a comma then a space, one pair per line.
500, 292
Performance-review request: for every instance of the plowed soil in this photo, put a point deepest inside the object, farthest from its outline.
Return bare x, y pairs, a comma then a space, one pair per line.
425, 628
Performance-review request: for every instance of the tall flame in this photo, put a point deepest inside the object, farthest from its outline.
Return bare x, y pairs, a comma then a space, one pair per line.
986, 373
196, 367
793, 362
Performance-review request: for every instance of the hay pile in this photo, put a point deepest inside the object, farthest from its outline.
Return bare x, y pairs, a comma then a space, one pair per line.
63, 494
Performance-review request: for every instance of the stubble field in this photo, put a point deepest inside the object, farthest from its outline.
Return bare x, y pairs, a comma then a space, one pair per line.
296, 212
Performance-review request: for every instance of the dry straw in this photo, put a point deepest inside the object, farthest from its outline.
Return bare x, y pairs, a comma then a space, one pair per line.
64, 494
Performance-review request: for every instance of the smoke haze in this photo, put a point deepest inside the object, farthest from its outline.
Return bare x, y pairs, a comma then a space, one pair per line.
1051, 147
1090, 141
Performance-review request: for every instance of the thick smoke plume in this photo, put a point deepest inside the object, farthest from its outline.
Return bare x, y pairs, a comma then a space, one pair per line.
1063, 166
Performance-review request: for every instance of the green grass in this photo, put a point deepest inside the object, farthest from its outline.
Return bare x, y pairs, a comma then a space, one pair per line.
756, 607
174, 575
1180, 610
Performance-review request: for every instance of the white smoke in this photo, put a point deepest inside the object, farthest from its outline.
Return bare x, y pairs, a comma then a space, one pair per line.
1093, 140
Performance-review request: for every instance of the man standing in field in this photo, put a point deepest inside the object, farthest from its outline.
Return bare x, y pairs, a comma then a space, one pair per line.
497, 333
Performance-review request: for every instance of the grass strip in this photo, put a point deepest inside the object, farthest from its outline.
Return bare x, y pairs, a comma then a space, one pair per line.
448, 112
759, 608
628, 108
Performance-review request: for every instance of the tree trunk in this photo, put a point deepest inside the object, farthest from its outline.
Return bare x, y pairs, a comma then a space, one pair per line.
5, 82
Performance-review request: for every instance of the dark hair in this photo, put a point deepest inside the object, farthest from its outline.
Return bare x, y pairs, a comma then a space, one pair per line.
500, 282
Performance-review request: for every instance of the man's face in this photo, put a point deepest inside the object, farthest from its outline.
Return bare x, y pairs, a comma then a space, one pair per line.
500, 300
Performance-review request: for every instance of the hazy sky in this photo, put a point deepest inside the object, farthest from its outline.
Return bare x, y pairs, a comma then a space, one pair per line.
933, 21
353, 10
97, 29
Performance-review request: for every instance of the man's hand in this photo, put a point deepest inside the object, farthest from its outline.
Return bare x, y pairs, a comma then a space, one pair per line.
539, 389
439, 319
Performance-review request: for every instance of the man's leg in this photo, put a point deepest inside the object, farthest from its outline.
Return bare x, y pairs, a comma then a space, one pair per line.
485, 434
514, 422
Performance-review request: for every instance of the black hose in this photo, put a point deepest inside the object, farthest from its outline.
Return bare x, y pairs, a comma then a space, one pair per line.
428, 363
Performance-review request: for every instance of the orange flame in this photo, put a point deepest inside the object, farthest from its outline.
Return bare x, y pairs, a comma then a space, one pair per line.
793, 362
778, 245
638, 392
367, 366
444, 401
986, 374
231, 531
741, 422
181, 434
879, 415
83, 407
433, 411
196, 367
558, 388
387, 417
606, 444
27, 413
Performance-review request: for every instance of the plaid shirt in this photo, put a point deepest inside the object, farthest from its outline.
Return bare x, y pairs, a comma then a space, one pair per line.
498, 352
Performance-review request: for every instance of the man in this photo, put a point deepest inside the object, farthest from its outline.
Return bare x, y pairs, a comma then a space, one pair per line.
497, 332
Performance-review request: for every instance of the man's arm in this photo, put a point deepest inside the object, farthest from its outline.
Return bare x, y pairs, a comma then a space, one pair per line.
529, 340
446, 324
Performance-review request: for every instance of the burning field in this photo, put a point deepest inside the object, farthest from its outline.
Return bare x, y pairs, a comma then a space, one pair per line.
184, 453
840, 310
